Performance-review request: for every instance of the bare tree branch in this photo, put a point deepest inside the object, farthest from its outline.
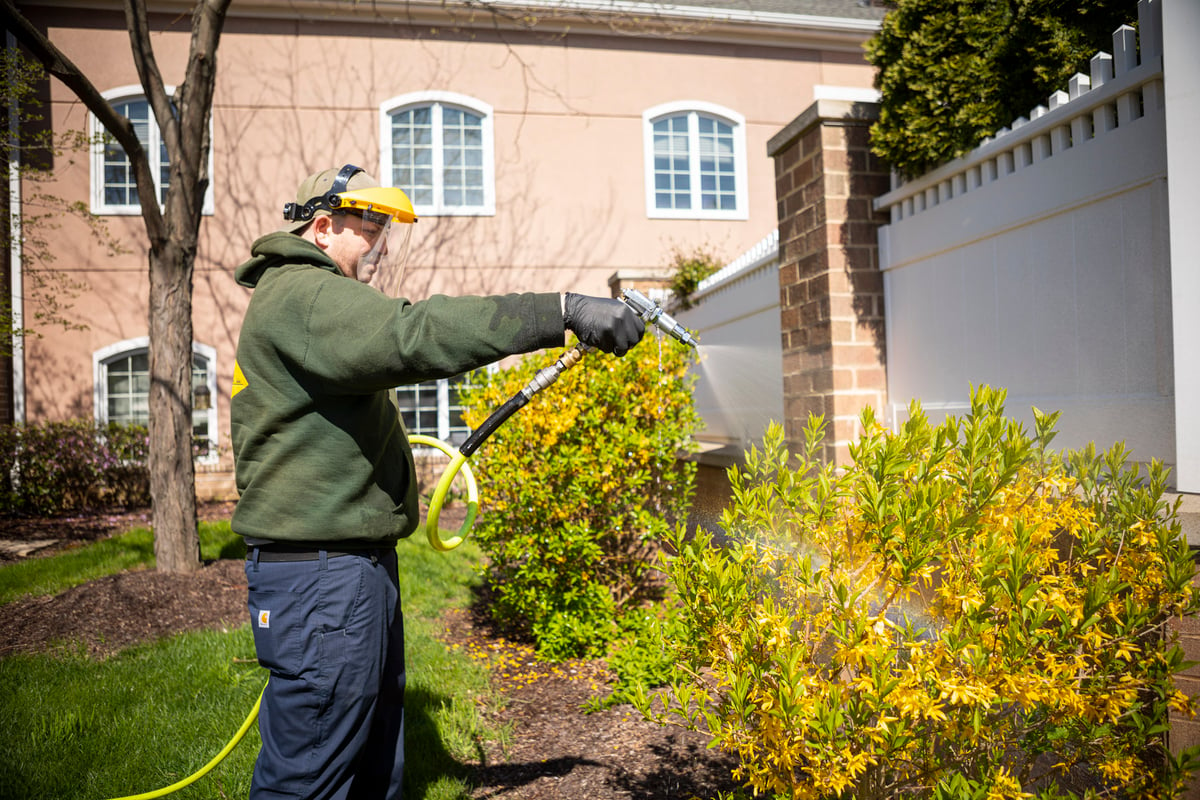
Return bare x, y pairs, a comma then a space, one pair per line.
61, 67
138, 21
172, 232
195, 96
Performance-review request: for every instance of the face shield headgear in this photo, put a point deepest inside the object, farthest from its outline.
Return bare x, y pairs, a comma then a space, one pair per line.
386, 216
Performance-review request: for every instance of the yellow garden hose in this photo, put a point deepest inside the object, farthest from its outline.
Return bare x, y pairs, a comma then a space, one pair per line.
458, 462
217, 759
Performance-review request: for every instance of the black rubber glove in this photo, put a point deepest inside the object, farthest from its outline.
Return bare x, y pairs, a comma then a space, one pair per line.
605, 324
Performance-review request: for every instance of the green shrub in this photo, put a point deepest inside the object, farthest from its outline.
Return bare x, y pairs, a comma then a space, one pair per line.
960, 613
643, 654
577, 488
54, 467
688, 268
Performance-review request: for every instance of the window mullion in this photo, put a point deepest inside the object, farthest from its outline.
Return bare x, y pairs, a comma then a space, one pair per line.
153, 156
436, 136
694, 161
443, 409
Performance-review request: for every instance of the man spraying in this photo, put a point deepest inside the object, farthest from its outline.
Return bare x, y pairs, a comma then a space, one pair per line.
325, 473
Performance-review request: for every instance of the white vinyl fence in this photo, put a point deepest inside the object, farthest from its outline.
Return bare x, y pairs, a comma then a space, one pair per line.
739, 386
1041, 262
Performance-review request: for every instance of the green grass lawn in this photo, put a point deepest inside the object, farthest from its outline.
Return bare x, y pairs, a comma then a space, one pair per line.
72, 727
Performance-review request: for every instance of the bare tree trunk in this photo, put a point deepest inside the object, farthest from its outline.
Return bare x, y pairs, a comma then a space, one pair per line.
172, 471
183, 120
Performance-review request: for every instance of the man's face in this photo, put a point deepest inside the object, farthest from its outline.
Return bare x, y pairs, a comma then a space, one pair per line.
349, 239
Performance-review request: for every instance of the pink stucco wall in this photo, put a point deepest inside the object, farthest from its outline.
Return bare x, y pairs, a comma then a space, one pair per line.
296, 96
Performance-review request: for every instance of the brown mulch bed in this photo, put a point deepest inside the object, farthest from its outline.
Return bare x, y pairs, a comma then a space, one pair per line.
559, 752
111, 613
556, 751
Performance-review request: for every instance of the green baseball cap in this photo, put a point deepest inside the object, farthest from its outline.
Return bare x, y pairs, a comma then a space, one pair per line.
320, 185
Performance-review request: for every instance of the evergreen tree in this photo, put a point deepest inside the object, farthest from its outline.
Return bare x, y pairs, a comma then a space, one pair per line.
952, 72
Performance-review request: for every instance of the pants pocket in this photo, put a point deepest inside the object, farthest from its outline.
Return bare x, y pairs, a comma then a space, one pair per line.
333, 647
278, 621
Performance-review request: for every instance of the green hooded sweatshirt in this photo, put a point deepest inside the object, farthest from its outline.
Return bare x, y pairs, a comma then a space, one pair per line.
320, 452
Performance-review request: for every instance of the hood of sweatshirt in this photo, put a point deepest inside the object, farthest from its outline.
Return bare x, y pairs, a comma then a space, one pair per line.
278, 248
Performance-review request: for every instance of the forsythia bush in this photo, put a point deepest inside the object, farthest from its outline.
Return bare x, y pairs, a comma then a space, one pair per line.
961, 613
58, 466
577, 489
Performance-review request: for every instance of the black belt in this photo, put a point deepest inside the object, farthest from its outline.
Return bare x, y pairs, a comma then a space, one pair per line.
288, 553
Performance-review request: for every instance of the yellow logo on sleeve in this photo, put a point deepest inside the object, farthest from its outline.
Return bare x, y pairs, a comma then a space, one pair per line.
239, 380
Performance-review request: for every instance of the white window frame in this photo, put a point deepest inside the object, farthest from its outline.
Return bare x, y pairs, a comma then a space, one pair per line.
106, 355
123, 94
695, 109
443, 410
437, 101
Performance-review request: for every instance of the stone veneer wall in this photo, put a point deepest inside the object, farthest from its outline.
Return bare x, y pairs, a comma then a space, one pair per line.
831, 289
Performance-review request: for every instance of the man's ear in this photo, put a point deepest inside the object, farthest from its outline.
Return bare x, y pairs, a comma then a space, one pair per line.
322, 230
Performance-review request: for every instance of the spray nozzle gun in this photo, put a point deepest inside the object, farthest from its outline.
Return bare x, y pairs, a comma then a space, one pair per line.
654, 314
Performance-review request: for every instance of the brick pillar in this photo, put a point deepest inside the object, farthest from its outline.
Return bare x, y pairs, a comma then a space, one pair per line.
830, 287
652, 283
1185, 731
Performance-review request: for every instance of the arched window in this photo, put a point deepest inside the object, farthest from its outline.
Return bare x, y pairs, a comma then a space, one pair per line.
438, 148
114, 188
122, 390
695, 156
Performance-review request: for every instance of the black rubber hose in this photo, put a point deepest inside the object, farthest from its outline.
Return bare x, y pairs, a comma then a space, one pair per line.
480, 434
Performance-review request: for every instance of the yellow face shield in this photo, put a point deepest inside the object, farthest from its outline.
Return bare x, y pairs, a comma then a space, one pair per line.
387, 217
387, 200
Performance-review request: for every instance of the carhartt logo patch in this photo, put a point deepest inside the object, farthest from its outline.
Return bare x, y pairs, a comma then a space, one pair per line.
264, 618
239, 380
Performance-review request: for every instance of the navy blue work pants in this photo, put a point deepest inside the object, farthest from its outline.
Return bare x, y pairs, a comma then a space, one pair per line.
331, 632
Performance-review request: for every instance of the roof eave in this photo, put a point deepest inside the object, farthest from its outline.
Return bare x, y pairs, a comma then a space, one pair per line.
609, 17
620, 17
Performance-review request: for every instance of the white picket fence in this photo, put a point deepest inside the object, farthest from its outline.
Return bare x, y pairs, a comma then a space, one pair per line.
1119, 91
1040, 262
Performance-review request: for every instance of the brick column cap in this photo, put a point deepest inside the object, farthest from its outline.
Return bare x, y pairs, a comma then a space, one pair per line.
640, 279
853, 112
